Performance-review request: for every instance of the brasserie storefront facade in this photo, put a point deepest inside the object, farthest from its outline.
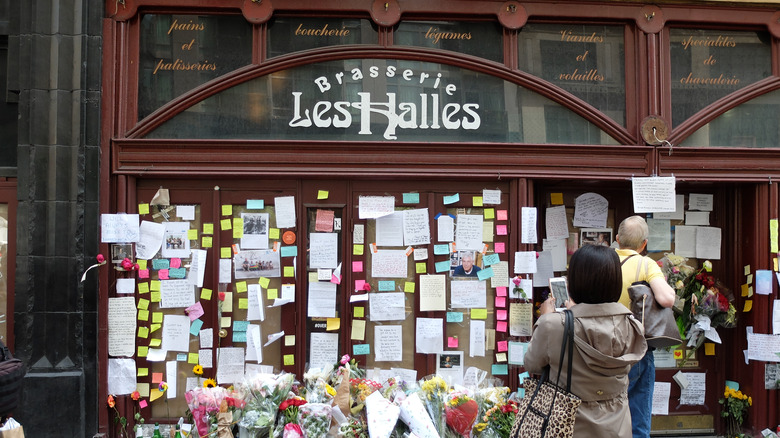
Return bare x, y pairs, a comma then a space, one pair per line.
311, 116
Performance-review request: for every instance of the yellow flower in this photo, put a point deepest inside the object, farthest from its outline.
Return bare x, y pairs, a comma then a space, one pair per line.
209, 383
330, 390
750, 401
197, 370
479, 427
708, 266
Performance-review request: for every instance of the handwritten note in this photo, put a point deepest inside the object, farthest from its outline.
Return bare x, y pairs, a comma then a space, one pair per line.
119, 228
389, 230
468, 233
429, 335
323, 250
445, 227
651, 194
417, 229
176, 293
590, 210
528, 216
388, 343
468, 294
372, 207
121, 326
150, 239
323, 350
176, 333
556, 223
322, 300
389, 263
525, 262
387, 306
520, 319
230, 365
433, 292
285, 211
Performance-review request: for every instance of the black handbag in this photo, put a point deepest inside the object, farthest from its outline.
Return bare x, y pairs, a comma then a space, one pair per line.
660, 326
12, 372
550, 411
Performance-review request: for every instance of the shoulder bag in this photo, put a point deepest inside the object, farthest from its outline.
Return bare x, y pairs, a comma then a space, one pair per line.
548, 411
11, 373
660, 326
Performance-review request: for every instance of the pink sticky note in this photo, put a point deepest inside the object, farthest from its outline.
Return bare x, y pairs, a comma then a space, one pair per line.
359, 284
452, 342
502, 346
156, 377
501, 230
195, 311
175, 263
499, 247
501, 315
143, 273
357, 266
500, 301
501, 291
501, 215
162, 274
501, 326
143, 404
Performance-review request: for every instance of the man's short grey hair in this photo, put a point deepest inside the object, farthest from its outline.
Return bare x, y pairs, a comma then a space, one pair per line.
633, 232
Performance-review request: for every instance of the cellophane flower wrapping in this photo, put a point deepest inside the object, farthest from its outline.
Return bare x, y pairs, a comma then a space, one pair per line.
314, 419
461, 412
414, 415
292, 430
262, 393
204, 403
433, 393
381, 415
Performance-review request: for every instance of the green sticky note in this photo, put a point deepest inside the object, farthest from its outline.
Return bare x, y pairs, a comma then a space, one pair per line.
155, 327
225, 252
322, 194
143, 315
443, 266
441, 249
243, 303
143, 350
478, 313
155, 285
143, 288
289, 251
477, 201
181, 357
409, 287
143, 332
239, 336
158, 264
205, 294
155, 297
485, 273
255, 204
227, 210
192, 358
361, 349
141, 263
157, 317
208, 228
264, 282
143, 372
273, 233
143, 303
195, 327
272, 294
489, 213
238, 231
451, 199
500, 369
155, 342
192, 234
289, 271
241, 286
386, 285
205, 242
143, 208
420, 268
357, 249
224, 224
359, 312
289, 359
490, 259
411, 198
454, 316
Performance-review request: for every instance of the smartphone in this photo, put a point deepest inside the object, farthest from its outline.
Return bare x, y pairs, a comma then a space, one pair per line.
560, 290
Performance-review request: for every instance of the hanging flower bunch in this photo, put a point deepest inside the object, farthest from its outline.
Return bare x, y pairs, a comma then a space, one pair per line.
735, 409
498, 420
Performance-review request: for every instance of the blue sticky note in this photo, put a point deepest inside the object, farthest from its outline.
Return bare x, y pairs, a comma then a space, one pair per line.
451, 199
386, 285
289, 251
454, 316
177, 272
195, 327
181, 357
486, 273
443, 266
239, 336
732, 384
158, 264
255, 204
411, 198
360, 349
240, 326
500, 369
441, 249
491, 259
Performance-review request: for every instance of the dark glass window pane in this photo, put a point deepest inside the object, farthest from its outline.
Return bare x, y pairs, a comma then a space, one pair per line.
754, 124
587, 61
710, 64
287, 34
181, 52
9, 113
483, 39
378, 100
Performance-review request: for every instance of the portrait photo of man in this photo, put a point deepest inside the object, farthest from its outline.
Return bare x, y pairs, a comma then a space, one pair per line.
467, 266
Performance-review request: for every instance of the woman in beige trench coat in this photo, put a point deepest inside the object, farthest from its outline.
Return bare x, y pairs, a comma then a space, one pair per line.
608, 340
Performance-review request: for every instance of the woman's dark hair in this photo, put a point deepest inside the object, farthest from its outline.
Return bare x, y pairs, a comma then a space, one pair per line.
595, 275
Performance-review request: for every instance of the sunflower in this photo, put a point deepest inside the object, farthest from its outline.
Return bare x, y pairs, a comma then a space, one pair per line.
197, 370
209, 383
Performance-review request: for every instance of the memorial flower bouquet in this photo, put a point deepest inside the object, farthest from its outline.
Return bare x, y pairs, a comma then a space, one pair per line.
461, 412
204, 404
498, 420
359, 390
433, 393
314, 419
735, 409
263, 393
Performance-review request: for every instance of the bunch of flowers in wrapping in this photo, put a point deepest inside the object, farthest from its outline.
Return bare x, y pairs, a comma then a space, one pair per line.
314, 419
461, 412
489, 396
263, 393
735, 408
355, 427
287, 426
359, 390
433, 393
316, 388
205, 405
497, 422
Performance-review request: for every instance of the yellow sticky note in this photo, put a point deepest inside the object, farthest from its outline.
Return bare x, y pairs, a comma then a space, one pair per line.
500, 357
208, 228
227, 303
774, 262
143, 303
272, 294
478, 313
143, 208
264, 282
205, 294
143, 332
243, 303
709, 349
359, 312
225, 252
224, 224
157, 317
409, 287
289, 340
192, 234
241, 286
155, 297
143, 315
143, 350
556, 198
224, 322
273, 233
155, 342
333, 324
289, 359
238, 231
744, 290
143, 372
289, 271
477, 201
155, 327
357, 249
420, 267
322, 194
748, 306
489, 213
141, 263
143, 288
192, 358
155, 286
227, 210
773, 247
155, 394
358, 329
678, 354
750, 291
313, 277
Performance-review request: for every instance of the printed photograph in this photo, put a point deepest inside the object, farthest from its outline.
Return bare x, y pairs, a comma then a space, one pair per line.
465, 264
121, 251
596, 236
256, 264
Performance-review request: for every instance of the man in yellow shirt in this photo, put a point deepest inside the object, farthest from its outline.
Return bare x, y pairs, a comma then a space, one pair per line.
632, 240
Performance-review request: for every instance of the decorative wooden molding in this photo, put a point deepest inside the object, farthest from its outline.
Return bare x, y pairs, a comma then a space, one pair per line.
512, 15
650, 19
386, 12
257, 11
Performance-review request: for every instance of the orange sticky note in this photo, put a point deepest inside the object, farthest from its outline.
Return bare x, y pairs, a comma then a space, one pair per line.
709, 349
556, 198
157, 377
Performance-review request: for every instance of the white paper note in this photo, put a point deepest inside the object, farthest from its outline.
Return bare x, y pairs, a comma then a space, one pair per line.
590, 211
170, 378
204, 358
119, 228
700, 202
528, 216
197, 267
230, 365
429, 338
661, 394
476, 338
389, 263
323, 350
285, 211
390, 230
660, 237
491, 197
696, 390
255, 310
544, 269
468, 294
388, 343
322, 300
445, 228
654, 193
433, 293
323, 250
677, 214
121, 376
708, 243
372, 207
417, 230
685, 241
206, 337
525, 262
150, 239
176, 333
557, 249
386, 306
697, 218
468, 233
125, 285
254, 344
556, 224
121, 326
358, 234
176, 293
225, 270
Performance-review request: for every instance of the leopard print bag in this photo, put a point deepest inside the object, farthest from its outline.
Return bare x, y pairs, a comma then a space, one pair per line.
548, 411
